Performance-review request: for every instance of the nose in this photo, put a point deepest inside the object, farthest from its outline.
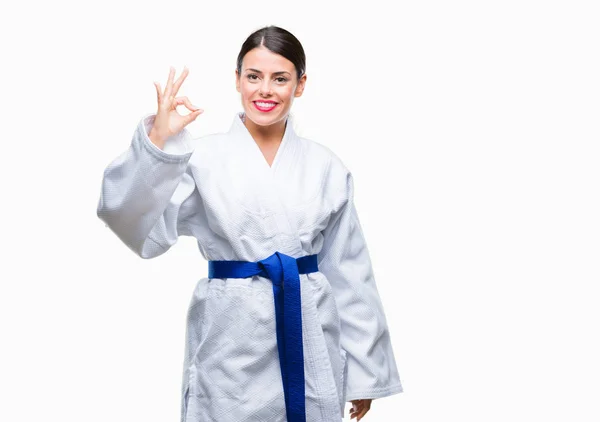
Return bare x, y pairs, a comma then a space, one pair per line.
265, 88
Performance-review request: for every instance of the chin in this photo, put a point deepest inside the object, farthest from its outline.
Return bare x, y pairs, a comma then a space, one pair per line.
263, 119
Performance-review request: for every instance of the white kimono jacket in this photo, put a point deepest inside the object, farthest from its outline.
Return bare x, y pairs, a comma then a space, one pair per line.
220, 189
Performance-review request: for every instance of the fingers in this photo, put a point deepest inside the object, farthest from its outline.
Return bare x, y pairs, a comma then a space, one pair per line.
358, 414
180, 81
360, 408
185, 101
192, 116
172, 88
195, 111
169, 87
158, 93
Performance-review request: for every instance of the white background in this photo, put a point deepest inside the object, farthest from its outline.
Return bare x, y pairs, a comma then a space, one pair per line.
471, 129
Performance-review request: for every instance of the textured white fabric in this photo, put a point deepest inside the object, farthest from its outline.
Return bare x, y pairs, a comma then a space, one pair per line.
220, 189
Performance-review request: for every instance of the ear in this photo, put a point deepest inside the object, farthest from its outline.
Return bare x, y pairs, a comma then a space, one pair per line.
300, 86
237, 81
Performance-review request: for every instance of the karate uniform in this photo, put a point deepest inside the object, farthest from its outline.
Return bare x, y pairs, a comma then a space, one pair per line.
220, 189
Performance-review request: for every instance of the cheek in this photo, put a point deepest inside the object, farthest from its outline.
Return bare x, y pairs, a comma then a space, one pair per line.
286, 94
246, 90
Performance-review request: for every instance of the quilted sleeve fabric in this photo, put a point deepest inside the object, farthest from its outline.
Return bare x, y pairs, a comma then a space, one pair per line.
345, 262
147, 193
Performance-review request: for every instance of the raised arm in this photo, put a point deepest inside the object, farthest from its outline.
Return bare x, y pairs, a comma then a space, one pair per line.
148, 192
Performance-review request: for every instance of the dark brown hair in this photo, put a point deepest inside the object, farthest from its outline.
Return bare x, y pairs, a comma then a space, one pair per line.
279, 41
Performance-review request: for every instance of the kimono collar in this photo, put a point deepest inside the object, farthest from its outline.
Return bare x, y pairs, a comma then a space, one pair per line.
240, 118
242, 135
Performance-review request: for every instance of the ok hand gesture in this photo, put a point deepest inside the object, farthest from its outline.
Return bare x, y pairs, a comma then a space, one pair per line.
168, 121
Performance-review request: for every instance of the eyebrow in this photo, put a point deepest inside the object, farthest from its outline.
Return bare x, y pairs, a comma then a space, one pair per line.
274, 73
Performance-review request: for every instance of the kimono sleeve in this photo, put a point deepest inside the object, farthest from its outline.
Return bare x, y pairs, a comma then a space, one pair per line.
345, 262
147, 193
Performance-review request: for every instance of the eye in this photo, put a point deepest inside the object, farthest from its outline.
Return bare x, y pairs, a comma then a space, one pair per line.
252, 77
281, 79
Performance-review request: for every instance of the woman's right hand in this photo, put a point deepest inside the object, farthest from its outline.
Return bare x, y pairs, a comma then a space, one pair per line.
168, 121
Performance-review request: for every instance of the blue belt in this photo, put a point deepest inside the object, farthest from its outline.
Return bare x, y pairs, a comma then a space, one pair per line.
283, 270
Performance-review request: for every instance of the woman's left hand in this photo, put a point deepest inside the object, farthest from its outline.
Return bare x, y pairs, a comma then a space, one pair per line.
359, 408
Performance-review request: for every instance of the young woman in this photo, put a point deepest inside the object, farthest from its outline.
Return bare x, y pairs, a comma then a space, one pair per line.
288, 325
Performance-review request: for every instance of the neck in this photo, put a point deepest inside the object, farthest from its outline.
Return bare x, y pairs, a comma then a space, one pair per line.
266, 134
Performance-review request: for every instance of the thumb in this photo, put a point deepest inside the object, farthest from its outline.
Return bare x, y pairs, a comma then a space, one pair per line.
186, 102
192, 116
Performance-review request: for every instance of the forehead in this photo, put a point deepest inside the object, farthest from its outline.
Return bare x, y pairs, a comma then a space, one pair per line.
266, 61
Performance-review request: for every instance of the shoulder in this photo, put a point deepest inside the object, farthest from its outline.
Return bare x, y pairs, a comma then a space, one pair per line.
338, 177
318, 149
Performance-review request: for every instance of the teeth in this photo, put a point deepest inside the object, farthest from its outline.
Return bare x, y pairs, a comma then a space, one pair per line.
265, 105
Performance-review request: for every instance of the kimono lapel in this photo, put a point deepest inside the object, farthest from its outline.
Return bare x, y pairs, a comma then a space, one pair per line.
270, 181
248, 144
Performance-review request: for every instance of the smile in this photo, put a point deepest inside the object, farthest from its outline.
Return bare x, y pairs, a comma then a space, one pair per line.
264, 106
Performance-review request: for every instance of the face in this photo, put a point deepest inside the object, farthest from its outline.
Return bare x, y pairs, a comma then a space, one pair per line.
271, 81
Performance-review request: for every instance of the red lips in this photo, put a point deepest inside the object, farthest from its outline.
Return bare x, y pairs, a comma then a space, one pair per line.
267, 109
